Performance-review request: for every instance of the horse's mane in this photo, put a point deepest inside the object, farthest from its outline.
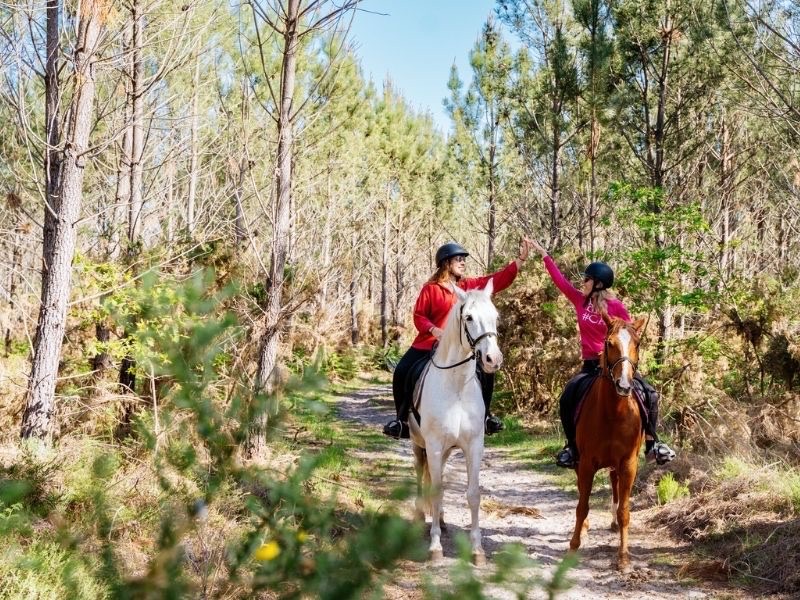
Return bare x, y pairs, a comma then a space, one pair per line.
451, 328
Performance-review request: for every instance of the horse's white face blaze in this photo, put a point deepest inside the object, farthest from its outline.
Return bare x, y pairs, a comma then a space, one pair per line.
623, 355
625, 381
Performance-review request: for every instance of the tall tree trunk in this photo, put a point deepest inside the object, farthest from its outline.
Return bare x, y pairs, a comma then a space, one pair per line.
193, 151
16, 266
52, 157
137, 125
385, 276
268, 354
594, 143
659, 131
492, 228
726, 189
555, 185
122, 198
40, 401
239, 225
354, 333
127, 372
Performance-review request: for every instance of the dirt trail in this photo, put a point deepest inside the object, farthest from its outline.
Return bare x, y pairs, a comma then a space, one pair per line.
506, 482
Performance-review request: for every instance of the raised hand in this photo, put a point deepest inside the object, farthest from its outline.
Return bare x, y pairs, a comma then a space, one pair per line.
537, 246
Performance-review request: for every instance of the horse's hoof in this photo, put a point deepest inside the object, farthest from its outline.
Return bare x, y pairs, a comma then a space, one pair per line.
479, 559
419, 517
574, 545
614, 526
436, 555
624, 566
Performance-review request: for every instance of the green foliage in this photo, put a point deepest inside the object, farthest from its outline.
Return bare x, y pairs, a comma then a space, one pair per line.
385, 359
292, 541
654, 268
46, 570
731, 468
792, 483
669, 489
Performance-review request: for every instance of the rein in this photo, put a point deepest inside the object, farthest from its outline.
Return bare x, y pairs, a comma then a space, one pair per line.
470, 340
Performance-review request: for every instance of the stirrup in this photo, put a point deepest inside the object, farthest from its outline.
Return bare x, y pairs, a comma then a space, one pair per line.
396, 429
566, 459
493, 425
660, 453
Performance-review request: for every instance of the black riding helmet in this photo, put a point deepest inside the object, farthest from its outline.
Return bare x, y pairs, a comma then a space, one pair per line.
600, 272
449, 250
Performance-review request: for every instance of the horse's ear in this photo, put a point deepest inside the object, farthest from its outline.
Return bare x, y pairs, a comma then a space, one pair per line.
460, 294
606, 318
489, 287
638, 325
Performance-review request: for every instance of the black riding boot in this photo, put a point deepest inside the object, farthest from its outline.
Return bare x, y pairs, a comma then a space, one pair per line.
398, 428
567, 404
493, 424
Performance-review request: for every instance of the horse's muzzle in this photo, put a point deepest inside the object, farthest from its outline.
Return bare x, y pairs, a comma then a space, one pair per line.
622, 390
491, 361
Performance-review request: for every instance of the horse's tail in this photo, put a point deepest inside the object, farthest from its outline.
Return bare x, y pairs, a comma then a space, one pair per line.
426, 481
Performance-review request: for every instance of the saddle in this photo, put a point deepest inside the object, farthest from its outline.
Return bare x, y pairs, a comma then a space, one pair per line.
583, 385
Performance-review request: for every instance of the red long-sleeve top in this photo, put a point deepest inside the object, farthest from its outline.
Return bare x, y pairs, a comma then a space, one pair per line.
592, 328
435, 301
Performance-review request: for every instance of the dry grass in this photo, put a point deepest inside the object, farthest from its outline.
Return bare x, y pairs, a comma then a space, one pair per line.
747, 522
503, 510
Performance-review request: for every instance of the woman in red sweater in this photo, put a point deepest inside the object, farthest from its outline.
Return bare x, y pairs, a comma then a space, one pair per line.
589, 301
430, 315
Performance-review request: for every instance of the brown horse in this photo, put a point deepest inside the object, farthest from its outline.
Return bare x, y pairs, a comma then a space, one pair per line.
609, 431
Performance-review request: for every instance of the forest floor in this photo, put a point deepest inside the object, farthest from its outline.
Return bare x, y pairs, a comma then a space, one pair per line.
517, 476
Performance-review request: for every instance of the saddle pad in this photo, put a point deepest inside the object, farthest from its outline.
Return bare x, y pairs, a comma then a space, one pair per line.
583, 386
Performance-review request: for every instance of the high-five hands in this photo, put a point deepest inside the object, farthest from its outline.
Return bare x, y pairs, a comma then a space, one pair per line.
538, 247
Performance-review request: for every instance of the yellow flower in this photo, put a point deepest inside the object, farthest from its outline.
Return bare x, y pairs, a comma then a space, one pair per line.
268, 551
302, 536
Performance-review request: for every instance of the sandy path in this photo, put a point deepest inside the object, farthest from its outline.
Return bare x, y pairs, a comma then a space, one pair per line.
506, 482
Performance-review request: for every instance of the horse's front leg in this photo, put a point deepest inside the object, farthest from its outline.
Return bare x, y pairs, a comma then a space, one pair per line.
585, 480
436, 466
474, 455
626, 475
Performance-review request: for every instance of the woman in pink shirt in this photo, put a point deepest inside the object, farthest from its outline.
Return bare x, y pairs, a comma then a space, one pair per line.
430, 315
589, 301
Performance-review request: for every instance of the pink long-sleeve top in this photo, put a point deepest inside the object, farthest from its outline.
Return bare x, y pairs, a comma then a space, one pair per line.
435, 301
591, 326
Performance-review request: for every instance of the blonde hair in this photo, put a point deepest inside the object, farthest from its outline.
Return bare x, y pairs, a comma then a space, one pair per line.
600, 300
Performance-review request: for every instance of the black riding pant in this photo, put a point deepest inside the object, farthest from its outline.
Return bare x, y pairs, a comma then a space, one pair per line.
576, 388
403, 390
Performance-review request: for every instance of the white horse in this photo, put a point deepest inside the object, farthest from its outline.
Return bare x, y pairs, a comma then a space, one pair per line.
451, 409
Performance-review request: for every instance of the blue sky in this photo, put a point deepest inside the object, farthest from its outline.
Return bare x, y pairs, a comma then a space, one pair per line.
416, 43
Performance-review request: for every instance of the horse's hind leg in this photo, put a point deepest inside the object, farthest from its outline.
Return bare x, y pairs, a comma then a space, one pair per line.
435, 465
585, 480
473, 456
614, 499
423, 480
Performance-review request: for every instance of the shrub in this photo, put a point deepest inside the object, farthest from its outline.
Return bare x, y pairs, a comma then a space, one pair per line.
669, 489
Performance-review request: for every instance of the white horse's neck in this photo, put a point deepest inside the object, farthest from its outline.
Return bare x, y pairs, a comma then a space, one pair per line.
453, 348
